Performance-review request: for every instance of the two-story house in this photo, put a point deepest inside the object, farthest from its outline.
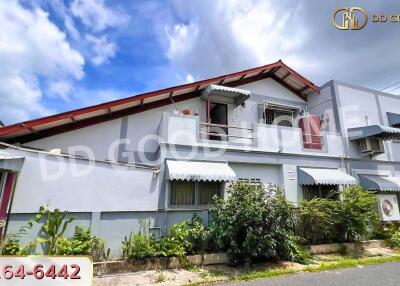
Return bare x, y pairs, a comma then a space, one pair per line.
163, 155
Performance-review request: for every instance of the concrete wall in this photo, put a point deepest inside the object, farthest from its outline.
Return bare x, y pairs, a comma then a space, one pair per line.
77, 186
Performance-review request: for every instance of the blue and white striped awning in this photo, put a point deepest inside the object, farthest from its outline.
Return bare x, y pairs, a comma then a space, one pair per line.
380, 183
315, 176
199, 171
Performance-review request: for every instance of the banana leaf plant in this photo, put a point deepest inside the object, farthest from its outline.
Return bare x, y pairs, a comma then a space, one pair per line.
55, 225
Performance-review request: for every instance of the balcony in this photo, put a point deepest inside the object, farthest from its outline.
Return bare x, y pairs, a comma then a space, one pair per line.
188, 130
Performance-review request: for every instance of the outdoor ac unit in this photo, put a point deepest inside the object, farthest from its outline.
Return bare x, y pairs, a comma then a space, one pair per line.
371, 146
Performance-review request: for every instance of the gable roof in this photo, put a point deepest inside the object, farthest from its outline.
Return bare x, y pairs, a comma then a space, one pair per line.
63, 122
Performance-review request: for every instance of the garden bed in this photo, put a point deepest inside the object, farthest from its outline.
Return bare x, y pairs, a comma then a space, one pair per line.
162, 263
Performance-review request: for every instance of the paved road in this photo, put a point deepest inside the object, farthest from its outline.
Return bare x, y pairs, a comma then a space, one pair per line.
373, 275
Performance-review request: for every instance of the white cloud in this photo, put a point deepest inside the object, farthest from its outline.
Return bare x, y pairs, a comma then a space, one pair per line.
224, 36
103, 49
62, 88
96, 15
32, 50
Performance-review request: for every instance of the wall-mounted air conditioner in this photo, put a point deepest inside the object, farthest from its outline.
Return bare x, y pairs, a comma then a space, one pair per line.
371, 146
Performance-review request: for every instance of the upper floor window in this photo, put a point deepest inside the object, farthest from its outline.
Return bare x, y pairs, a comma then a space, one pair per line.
279, 117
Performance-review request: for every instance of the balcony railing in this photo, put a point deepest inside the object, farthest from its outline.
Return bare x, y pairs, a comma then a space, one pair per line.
188, 130
219, 132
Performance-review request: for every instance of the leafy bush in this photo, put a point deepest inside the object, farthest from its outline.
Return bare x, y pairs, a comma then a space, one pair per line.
394, 241
11, 244
319, 219
141, 245
255, 222
349, 219
12, 247
82, 243
176, 243
138, 247
358, 213
382, 231
199, 235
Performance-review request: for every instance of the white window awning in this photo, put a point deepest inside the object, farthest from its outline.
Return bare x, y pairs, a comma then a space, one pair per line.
380, 183
199, 171
239, 95
314, 176
11, 162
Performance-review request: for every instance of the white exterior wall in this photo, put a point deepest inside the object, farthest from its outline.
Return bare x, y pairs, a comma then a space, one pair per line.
269, 174
101, 136
322, 104
97, 137
58, 182
269, 87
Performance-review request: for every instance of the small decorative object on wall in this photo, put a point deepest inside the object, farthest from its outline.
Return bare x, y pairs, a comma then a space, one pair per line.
186, 111
389, 207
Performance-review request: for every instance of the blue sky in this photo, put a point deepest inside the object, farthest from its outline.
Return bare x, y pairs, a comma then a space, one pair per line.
59, 55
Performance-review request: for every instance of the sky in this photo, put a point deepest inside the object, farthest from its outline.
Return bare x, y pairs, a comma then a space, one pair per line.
58, 55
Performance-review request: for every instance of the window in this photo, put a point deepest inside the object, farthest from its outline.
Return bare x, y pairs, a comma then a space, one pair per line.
182, 193
320, 191
279, 117
251, 181
207, 191
185, 193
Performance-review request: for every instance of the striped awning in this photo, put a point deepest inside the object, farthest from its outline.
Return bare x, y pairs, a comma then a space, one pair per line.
315, 176
200, 171
380, 183
379, 131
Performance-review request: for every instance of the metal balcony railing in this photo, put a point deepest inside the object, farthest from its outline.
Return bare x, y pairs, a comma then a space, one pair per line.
219, 132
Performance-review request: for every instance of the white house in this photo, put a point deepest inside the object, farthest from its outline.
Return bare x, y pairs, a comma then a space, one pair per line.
163, 155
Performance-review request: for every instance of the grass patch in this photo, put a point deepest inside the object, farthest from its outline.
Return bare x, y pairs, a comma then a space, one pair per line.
264, 274
352, 262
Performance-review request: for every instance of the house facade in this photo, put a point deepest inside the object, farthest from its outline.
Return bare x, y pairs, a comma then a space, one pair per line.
163, 155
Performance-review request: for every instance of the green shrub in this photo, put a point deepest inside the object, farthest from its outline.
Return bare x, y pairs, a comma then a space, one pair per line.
141, 245
358, 213
255, 222
382, 231
394, 241
10, 245
319, 220
199, 235
82, 243
138, 247
349, 219
176, 243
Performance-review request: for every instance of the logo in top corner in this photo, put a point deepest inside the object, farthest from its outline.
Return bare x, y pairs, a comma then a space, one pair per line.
349, 18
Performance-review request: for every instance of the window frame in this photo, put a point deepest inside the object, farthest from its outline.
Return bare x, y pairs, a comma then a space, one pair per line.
274, 112
196, 204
